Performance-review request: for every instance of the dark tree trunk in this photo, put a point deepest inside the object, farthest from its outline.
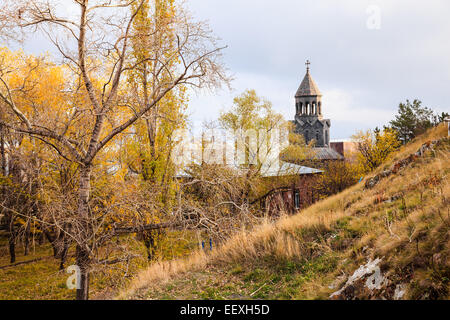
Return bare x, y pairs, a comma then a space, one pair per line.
2, 151
27, 239
64, 251
149, 242
58, 245
64, 256
40, 238
52, 239
82, 254
83, 262
12, 242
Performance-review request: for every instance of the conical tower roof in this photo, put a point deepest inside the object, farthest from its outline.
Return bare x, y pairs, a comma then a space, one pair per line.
308, 87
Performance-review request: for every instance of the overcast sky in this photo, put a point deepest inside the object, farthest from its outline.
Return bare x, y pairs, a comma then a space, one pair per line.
363, 73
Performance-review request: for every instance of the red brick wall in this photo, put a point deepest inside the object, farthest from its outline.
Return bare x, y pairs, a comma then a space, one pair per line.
283, 199
344, 148
338, 147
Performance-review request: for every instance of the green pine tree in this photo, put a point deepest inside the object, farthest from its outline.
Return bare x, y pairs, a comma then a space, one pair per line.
412, 120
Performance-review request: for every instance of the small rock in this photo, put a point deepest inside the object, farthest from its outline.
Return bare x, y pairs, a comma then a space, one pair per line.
400, 290
375, 281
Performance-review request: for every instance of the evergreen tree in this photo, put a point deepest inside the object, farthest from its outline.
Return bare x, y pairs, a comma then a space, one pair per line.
412, 120
442, 117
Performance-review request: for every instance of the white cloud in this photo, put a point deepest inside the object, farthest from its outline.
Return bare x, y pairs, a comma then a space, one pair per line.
362, 73
340, 106
207, 106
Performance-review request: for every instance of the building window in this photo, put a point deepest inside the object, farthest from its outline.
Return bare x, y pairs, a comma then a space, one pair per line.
297, 199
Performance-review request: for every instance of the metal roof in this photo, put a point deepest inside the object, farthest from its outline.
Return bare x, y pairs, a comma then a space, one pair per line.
288, 169
284, 169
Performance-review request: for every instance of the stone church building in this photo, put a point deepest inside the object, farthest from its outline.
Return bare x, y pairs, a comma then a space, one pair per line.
309, 120
308, 112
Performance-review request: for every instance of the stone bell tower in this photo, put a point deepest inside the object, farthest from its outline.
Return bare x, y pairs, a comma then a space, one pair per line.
308, 112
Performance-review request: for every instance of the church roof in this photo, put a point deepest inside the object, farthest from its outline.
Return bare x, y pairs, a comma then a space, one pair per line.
325, 153
308, 87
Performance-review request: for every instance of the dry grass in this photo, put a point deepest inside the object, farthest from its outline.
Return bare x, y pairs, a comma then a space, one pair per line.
351, 226
411, 147
274, 239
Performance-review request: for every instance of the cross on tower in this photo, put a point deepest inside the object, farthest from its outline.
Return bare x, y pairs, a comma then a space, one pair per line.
307, 65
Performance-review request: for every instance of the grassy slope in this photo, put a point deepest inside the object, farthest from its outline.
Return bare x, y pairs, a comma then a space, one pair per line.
311, 254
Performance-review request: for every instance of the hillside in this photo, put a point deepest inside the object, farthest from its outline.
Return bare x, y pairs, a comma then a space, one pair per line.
385, 238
